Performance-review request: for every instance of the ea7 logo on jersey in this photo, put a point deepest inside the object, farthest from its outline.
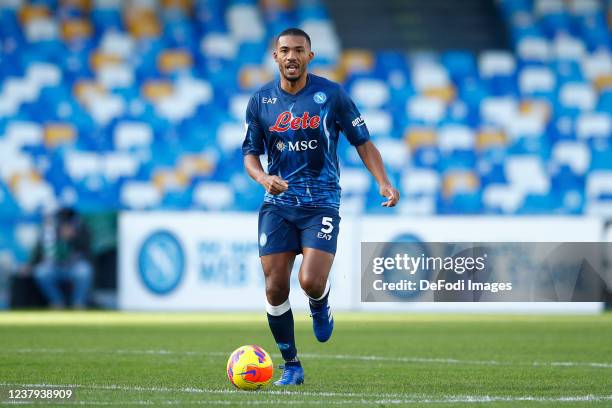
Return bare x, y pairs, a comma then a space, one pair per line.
286, 121
268, 100
358, 121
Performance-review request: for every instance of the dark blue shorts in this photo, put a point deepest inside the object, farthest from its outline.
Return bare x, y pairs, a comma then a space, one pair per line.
284, 228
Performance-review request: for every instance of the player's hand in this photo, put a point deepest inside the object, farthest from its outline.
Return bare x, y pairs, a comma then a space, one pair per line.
391, 193
274, 184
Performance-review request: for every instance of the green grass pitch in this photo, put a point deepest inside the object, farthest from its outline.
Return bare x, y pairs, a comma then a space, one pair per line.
134, 359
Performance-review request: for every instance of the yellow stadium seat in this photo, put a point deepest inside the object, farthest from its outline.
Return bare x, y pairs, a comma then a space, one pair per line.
488, 139
184, 5
174, 60
459, 181
18, 177
420, 137
603, 82
83, 5
85, 87
530, 107
99, 59
59, 133
195, 165
76, 29
142, 23
32, 12
357, 61
155, 90
446, 93
335, 75
254, 76
284, 5
170, 179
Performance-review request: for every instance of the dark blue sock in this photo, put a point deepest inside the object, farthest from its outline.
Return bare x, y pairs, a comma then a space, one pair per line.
282, 330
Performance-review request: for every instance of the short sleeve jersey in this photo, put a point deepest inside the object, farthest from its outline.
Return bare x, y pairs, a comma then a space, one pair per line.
299, 133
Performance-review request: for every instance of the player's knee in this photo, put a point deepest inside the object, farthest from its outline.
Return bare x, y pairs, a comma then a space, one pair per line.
313, 286
276, 291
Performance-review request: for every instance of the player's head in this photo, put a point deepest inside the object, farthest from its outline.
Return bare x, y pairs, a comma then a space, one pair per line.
292, 53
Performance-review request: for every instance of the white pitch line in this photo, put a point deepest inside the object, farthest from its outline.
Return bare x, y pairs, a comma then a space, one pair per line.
418, 360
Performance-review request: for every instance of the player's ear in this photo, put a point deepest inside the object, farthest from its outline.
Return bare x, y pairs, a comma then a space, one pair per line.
275, 55
310, 56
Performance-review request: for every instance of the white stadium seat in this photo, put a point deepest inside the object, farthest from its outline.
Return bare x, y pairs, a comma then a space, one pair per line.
576, 155
594, 124
140, 195
428, 75
230, 136
217, 45
496, 63
83, 164
534, 49
569, 48
370, 93
527, 173
430, 110
536, 79
379, 122
420, 181
238, 105
132, 134
500, 111
455, 137
213, 195
115, 76
578, 95
503, 197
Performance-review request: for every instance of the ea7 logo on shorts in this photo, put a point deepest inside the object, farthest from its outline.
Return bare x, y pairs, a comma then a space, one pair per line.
358, 121
328, 227
268, 100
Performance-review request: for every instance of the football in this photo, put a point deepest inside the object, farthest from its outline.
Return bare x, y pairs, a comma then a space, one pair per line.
250, 368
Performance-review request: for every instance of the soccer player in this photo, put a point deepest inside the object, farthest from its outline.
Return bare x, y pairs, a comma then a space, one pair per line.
296, 120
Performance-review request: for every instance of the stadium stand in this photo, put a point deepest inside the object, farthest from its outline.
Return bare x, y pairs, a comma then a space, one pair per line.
108, 105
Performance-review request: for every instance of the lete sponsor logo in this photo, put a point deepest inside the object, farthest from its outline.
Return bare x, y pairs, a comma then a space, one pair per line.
286, 121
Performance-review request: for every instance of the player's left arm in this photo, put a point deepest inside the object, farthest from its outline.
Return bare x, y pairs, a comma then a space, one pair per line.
373, 161
352, 124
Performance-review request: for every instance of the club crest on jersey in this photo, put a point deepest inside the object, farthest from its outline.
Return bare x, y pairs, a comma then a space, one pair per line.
320, 97
286, 121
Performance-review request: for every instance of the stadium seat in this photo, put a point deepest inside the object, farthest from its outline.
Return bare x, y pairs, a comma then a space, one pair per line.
576, 155
139, 195
213, 196
370, 93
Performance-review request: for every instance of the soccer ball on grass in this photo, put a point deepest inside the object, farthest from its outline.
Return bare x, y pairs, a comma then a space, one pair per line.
250, 368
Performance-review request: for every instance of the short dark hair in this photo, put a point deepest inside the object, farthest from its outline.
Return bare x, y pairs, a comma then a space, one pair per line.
295, 32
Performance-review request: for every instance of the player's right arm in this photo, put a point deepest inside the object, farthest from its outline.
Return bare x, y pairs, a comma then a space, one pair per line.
253, 147
273, 184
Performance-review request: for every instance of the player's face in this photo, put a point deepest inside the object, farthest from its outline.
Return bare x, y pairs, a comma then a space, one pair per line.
292, 55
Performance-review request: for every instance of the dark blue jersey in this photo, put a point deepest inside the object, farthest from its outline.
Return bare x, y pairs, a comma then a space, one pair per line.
299, 133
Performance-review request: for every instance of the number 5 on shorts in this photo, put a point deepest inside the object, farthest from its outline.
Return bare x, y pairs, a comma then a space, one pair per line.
327, 222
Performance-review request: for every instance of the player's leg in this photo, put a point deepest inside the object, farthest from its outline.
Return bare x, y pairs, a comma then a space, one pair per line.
278, 246
314, 274
319, 238
277, 272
